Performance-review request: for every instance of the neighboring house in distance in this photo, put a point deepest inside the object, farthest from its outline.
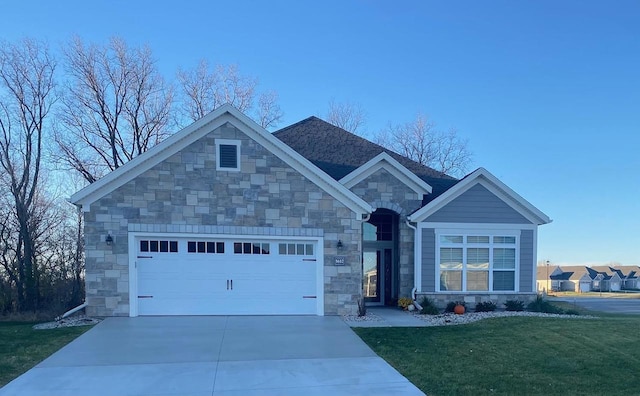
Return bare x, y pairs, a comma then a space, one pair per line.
585, 278
226, 218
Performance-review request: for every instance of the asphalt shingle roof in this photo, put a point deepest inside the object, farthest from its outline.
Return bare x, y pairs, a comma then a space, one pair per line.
338, 152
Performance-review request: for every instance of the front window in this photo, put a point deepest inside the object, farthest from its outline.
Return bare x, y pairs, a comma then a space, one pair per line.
470, 263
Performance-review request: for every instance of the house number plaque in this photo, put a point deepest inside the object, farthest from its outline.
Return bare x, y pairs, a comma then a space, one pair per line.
339, 260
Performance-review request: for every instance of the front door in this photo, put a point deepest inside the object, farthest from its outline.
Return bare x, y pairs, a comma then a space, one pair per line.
380, 273
377, 275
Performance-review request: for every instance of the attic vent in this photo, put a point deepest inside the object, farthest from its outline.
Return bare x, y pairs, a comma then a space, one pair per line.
228, 154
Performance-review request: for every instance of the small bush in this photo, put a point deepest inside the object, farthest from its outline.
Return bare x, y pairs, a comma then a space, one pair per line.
571, 312
487, 306
542, 305
452, 304
428, 307
514, 305
404, 302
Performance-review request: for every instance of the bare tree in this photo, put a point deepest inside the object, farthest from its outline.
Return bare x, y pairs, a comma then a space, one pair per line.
27, 85
423, 143
204, 90
348, 116
115, 107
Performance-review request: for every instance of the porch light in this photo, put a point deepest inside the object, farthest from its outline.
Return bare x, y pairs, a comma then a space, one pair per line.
109, 240
340, 245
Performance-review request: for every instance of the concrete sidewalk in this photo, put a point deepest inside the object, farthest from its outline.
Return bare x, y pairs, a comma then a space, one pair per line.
214, 355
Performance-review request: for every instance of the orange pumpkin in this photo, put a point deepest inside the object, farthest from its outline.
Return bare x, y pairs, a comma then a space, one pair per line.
458, 309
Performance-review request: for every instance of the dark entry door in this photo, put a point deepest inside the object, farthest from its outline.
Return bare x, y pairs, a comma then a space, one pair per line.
377, 271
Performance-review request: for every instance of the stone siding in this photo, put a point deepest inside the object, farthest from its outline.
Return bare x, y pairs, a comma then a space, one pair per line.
441, 300
267, 197
383, 190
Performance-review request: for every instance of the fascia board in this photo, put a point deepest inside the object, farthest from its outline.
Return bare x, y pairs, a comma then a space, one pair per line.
197, 130
148, 159
492, 183
387, 162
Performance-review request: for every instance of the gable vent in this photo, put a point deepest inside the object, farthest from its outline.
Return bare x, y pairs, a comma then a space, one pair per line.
228, 156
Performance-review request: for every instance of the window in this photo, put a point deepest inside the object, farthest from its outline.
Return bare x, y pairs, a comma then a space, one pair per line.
297, 249
380, 226
250, 248
159, 246
468, 263
228, 155
205, 247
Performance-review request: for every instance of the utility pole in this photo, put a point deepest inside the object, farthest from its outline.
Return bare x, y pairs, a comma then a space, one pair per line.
548, 280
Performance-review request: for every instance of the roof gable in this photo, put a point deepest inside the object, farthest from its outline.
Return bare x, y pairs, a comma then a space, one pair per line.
499, 189
222, 115
339, 152
388, 163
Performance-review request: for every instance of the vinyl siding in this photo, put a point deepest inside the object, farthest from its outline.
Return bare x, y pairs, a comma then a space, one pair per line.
527, 266
477, 205
428, 260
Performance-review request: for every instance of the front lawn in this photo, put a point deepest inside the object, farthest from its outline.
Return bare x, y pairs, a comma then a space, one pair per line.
516, 355
21, 347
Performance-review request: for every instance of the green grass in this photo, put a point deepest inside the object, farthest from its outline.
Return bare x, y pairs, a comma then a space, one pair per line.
516, 355
21, 347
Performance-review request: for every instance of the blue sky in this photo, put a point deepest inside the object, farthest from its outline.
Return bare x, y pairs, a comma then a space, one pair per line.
547, 92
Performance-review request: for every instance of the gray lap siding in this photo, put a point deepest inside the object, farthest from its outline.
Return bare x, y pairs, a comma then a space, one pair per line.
185, 189
479, 206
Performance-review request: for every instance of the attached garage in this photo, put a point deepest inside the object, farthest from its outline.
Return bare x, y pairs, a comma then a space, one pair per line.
209, 275
585, 286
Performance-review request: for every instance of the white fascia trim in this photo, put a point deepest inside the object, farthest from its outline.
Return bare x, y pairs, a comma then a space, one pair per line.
486, 179
387, 162
478, 226
195, 131
148, 159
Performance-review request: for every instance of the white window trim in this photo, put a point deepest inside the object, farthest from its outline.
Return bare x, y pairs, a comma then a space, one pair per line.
477, 232
228, 142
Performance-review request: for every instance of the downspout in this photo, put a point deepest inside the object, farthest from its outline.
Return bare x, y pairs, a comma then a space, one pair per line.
415, 257
74, 310
84, 304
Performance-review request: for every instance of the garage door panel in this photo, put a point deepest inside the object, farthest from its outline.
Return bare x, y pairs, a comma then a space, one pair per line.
215, 279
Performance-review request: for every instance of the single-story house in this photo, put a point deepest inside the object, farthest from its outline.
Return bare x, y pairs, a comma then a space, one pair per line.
224, 217
583, 278
565, 278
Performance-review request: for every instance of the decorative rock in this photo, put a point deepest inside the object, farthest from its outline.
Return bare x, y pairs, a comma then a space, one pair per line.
411, 308
453, 319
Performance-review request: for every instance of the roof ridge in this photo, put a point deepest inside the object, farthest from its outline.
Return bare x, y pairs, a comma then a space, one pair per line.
428, 171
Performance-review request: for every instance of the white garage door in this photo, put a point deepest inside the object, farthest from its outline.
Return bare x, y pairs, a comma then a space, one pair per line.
242, 276
585, 287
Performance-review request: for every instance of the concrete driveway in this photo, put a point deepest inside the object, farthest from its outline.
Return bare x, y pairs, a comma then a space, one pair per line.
605, 304
240, 355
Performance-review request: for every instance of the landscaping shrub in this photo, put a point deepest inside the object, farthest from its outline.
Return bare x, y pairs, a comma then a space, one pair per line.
542, 305
571, 312
487, 306
514, 305
428, 307
452, 304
